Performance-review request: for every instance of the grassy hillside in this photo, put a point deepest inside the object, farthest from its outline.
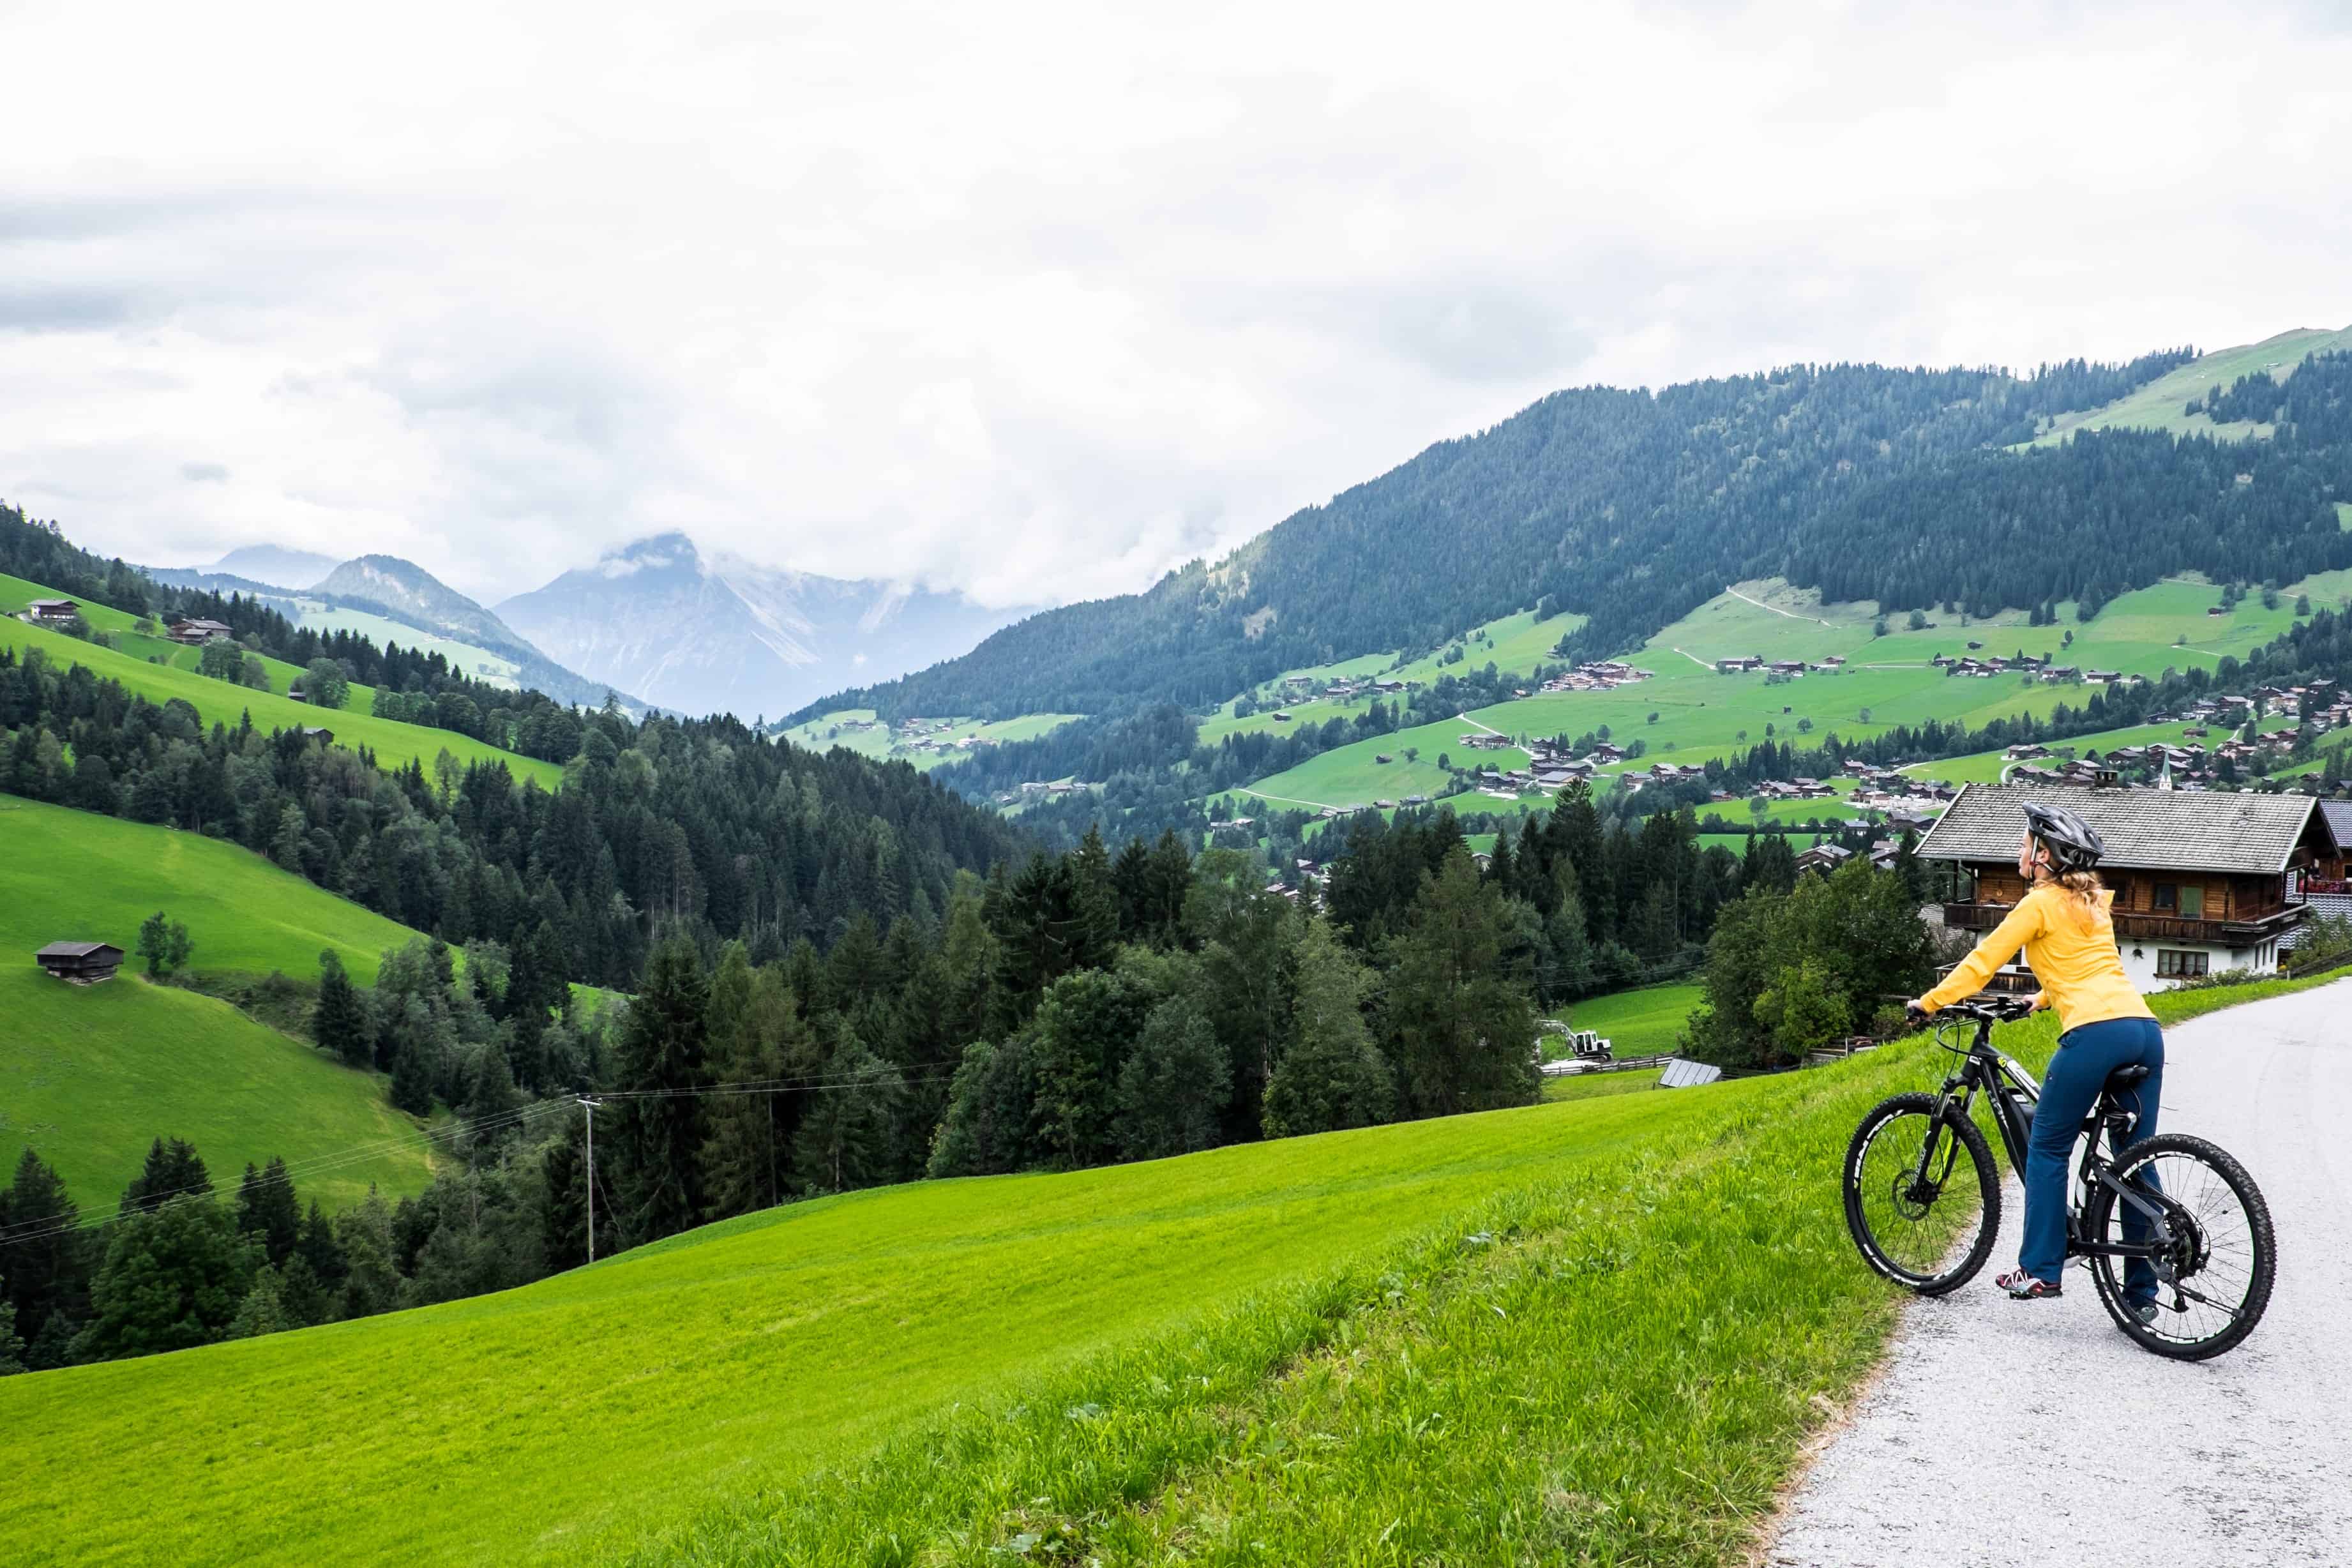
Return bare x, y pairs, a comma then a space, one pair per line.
1701, 714
2161, 404
16, 593
1596, 1332
216, 701
480, 663
1639, 1023
89, 1076
827, 731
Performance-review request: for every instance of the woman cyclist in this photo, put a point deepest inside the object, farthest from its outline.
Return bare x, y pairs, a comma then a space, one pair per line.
2062, 924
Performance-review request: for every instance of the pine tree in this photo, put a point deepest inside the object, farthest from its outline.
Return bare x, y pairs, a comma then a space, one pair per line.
267, 1210
172, 1170
12, 1349
756, 1036
844, 1139
339, 1021
411, 1081
659, 1138
563, 1200
1332, 1075
1457, 1024
45, 1269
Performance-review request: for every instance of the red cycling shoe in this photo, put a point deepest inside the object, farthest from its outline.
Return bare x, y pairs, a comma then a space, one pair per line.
2024, 1287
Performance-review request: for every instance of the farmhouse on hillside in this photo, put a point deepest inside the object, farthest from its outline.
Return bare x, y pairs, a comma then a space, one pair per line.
2203, 881
83, 963
52, 612
195, 631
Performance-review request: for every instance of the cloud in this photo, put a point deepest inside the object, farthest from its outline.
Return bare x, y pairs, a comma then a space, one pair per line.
1040, 303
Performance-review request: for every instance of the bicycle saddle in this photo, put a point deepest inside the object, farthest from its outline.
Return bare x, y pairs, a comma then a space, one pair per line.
2124, 1076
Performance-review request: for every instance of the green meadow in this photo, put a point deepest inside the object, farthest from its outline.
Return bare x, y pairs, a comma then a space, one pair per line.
90, 1075
16, 593
2162, 403
1640, 1023
825, 733
218, 703
1886, 681
1594, 1330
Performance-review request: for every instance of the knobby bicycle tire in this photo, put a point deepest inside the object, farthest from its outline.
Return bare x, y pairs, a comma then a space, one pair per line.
2106, 1276
1971, 1143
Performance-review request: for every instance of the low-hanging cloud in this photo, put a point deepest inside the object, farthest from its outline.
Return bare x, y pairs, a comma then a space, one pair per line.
1039, 301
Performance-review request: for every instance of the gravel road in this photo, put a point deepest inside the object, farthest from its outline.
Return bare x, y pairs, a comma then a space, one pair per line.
2008, 1432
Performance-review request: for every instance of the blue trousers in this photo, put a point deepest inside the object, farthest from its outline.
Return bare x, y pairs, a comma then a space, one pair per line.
2086, 1056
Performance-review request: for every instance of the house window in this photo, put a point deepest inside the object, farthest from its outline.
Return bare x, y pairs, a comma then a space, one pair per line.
2193, 903
2166, 896
2174, 964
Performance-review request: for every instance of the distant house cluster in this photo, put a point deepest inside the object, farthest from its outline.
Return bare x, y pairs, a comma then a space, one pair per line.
1343, 689
1601, 675
922, 736
1749, 664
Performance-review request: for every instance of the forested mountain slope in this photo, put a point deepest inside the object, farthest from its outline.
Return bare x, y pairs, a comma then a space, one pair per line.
1633, 507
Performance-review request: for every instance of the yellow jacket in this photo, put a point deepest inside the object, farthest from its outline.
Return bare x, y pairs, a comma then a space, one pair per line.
2072, 951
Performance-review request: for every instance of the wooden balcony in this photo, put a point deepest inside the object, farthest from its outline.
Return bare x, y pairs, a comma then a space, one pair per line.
2260, 923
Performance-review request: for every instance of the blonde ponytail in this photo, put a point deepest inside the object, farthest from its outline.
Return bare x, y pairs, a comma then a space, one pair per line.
2085, 887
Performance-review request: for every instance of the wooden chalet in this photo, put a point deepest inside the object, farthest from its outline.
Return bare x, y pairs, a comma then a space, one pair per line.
52, 612
193, 632
2203, 881
83, 963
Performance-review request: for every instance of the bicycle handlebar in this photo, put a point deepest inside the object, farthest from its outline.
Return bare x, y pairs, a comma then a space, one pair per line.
1996, 1010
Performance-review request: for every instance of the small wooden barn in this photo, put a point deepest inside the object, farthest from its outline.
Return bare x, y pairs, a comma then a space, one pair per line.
83, 963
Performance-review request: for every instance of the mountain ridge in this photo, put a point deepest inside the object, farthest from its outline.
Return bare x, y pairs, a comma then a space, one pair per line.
715, 633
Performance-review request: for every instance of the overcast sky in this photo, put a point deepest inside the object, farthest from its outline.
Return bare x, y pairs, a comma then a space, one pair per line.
1037, 302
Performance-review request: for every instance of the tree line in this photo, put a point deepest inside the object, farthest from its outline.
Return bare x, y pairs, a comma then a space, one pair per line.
1630, 505
703, 824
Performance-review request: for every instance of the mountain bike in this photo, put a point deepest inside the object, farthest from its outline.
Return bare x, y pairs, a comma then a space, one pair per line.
1923, 1197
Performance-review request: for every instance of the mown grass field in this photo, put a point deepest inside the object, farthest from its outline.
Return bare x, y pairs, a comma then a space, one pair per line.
1639, 1023
218, 703
90, 1075
1594, 1332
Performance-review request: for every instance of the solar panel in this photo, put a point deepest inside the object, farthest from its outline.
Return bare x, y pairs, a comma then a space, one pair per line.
1682, 1074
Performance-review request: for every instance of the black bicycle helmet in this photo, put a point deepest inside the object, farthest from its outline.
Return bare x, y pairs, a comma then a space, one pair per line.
2072, 845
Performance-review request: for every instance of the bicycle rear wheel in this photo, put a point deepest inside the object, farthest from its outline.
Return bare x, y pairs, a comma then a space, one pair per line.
1922, 1195
2223, 1254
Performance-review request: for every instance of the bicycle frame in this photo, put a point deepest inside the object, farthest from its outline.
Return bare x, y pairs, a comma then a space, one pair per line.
2003, 1079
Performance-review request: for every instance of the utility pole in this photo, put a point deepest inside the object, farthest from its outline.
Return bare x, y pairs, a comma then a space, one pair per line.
589, 1104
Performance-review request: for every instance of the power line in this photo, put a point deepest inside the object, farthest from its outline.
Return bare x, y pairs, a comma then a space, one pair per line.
47, 1227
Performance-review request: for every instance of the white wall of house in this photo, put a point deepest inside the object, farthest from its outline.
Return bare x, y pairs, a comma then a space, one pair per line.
2144, 960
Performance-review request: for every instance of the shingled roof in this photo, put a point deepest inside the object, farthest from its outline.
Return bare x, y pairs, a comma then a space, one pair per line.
2144, 829
2337, 814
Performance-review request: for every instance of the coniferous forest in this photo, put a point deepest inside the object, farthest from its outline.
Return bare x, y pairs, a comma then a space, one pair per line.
1633, 507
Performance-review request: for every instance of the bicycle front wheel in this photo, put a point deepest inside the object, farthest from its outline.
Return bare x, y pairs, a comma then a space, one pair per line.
2212, 1282
1922, 1195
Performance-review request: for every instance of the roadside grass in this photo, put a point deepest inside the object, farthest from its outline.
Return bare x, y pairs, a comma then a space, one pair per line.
218, 703
1638, 1023
1596, 1332
1618, 1363
90, 1075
